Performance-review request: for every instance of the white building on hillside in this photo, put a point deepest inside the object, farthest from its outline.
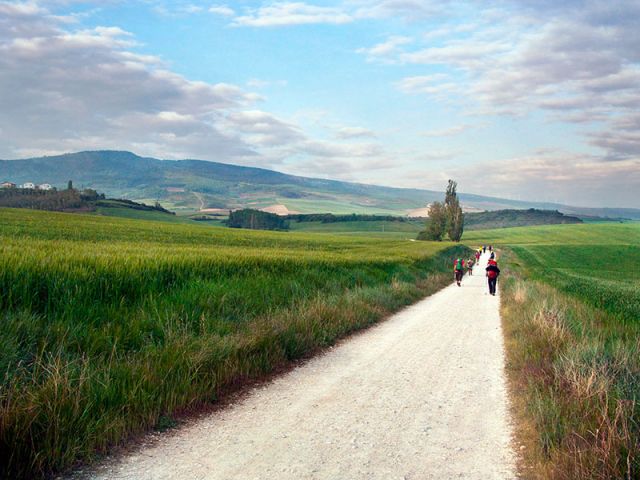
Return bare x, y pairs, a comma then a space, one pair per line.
44, 186
28, 185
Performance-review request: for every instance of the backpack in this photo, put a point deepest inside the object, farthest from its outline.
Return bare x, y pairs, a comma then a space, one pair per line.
459, 264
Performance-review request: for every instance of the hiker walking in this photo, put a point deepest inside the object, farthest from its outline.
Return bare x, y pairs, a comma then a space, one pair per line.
478, 255
458, 270
484, 249
492, 275
470, 264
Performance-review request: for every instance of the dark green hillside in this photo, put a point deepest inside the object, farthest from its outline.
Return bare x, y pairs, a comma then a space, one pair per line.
195, 184
516, 218
192, 185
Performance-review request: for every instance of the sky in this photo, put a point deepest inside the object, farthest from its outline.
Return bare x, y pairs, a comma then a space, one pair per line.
522, 99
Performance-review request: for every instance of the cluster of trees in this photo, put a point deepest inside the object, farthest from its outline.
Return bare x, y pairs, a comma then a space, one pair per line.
48, 199
256, 220
331, 218
124, 203
71, 199
445, 217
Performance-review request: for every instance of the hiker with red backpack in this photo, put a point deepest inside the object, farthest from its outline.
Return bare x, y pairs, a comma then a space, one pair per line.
458, 270
492, 275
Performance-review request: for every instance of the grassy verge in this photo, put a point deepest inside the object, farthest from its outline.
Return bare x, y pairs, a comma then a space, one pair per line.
112, 326
573, 359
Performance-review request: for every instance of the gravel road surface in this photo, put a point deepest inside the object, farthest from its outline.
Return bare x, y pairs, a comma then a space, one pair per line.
419, 396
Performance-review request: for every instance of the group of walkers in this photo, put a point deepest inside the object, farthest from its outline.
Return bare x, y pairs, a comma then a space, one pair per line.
491, 270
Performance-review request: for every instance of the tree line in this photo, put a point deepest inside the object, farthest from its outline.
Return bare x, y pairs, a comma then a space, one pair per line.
256, 220
54, 200
68, 200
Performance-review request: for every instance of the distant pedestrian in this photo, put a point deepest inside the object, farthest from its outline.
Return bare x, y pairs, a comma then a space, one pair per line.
492, 256
470, 264
492, 275
490, 247
484, 249
478, 255
458, 270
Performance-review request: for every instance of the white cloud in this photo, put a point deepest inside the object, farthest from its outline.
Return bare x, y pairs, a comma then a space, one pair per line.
386, 48
447, 132
339, 150
192, 9
544, 176
283, 13
258, 83
436, 85
263, 129
556, 176
280, 14
408, 9
223, 10
462, 54
448, 30
353, 132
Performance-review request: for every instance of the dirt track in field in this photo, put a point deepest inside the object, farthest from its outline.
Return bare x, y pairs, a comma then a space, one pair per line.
420, 396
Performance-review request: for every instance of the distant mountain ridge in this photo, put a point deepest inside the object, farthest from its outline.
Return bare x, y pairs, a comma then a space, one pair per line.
191, 185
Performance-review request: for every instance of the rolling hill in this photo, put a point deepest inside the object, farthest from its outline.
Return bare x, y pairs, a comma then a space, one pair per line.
193, 185
516, 218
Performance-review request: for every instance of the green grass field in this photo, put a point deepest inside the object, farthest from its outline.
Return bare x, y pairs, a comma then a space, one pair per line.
139, 215
571, 314
113, 326
585, 234
382, 229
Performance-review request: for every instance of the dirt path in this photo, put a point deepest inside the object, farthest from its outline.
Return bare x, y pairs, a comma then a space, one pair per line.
419, 396
200, 199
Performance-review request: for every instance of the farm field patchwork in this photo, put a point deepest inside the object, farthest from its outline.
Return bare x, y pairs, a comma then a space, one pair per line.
571, 315
113, 326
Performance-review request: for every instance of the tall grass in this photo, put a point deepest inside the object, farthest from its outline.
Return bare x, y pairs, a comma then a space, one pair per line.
110, 327
574, 363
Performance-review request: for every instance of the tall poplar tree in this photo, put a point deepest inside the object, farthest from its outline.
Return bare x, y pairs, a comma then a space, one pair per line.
453, 213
